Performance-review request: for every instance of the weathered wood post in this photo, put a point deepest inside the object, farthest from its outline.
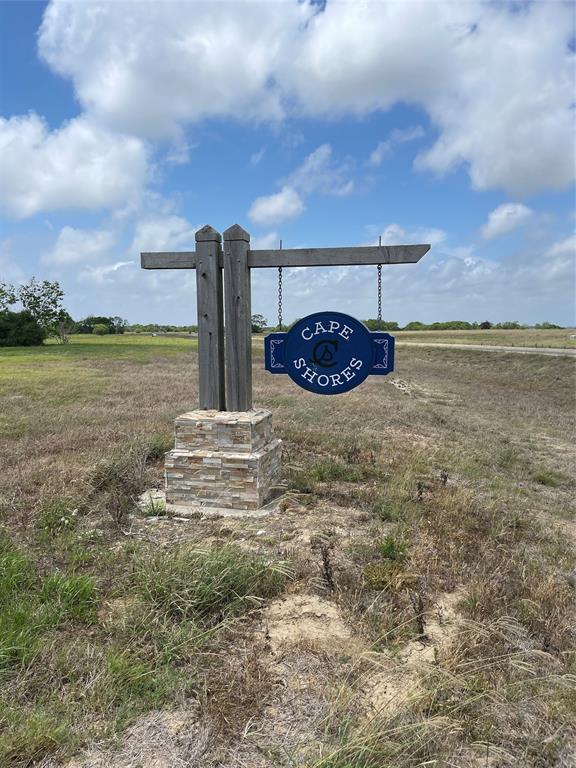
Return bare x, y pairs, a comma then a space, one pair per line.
238, 319
211, 391
225, 456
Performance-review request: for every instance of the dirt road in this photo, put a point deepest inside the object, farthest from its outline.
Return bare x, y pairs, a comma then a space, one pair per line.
553, 351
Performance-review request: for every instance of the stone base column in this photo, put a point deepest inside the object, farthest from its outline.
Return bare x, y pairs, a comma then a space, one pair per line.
223, 459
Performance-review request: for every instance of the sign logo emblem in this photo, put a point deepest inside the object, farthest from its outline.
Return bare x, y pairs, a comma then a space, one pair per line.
329, 353
323, 355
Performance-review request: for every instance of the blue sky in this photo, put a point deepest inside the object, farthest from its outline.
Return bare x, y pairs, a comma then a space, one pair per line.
127, 126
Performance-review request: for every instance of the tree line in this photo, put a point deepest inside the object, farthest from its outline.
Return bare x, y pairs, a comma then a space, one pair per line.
42, 315
453, 325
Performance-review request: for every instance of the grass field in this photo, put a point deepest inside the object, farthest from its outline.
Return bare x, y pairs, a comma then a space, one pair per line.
564, 338
410, 603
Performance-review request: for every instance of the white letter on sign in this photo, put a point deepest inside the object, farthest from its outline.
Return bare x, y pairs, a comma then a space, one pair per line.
345, 332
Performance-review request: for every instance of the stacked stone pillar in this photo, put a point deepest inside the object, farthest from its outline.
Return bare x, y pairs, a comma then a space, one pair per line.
223, 459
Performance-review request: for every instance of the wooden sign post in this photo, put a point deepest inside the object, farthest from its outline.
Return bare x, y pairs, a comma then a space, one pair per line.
225, 454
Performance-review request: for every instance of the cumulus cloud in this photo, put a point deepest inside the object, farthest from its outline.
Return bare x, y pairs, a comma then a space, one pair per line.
565, 247
496, 80
505, 219
272, 209
318, 173
79, 165
149, 68
163, 233
394, 234
78, 246
398, 136
108, 274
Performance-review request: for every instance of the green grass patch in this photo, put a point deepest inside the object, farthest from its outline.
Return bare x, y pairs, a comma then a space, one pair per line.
65, 679
208, 586
545, 476
392, 548
32, 606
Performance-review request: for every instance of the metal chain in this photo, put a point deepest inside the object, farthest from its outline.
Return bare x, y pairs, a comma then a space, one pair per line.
279, 298
380, 296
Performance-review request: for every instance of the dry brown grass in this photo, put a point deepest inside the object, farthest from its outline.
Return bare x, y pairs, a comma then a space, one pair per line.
459, 480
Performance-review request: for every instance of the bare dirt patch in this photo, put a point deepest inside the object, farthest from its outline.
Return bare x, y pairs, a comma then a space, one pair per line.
307, 620
395, 678
174, 739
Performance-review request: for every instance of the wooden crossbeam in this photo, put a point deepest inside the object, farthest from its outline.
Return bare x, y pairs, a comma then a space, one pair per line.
337, 257
299, 257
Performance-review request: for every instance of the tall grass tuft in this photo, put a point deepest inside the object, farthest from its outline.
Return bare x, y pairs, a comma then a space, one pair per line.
208, 586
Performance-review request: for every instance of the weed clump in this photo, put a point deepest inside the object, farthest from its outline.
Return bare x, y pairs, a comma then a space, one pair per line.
57, 516
119, 480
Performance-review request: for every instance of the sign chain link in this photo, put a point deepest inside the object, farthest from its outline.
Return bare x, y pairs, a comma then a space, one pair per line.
380, 296
279, 298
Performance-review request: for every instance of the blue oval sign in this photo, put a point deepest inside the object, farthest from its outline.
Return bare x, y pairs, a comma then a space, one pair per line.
328, 353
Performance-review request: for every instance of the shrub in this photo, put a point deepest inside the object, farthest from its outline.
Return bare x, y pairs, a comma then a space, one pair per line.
20, 329
100, 329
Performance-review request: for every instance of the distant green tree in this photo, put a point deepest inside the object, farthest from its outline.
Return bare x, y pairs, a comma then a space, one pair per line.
63, 327
485, 325
381, 325
509, 325
451, 325
43, 300
7, 296
415, 325
20, 329
101, 329
87, 324
259, 323
546, 325
119, 324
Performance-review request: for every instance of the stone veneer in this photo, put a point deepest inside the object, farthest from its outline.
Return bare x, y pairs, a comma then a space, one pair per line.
223, 459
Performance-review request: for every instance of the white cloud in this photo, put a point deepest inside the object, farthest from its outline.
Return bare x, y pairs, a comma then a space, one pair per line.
565, 247
272, 209
149, 68
510, 119
163, 233
317, 174
495, 79
78, 246
394, 234
265, 242
77, 166
398, 136
504, 219
107, 274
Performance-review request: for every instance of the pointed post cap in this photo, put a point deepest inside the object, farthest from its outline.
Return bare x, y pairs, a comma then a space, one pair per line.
235, 232
208, 233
